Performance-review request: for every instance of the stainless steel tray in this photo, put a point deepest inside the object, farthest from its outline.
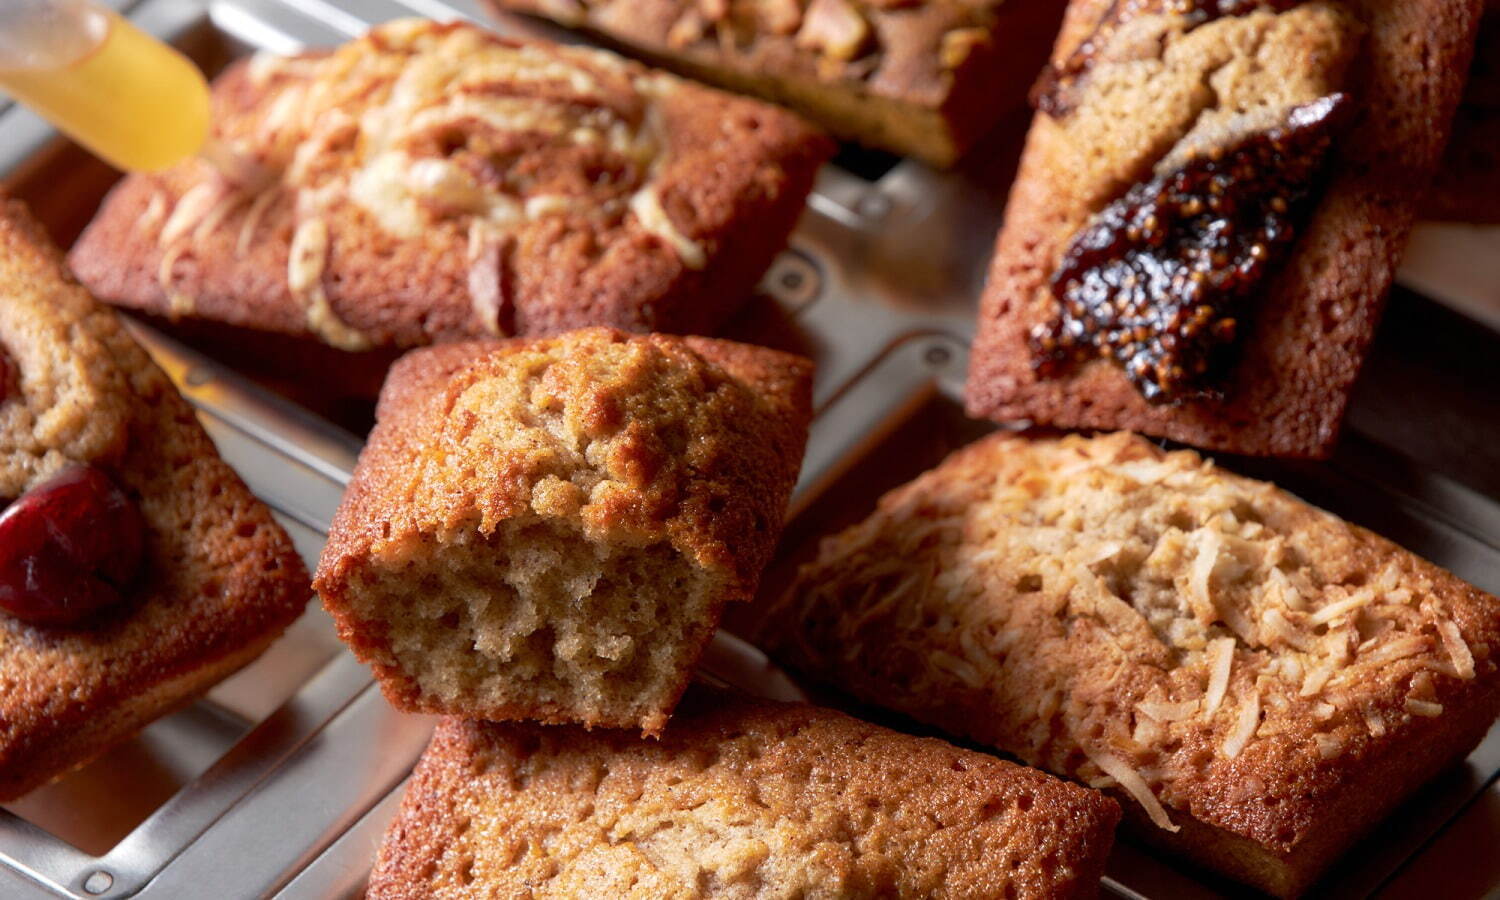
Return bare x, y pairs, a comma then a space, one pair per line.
282, 779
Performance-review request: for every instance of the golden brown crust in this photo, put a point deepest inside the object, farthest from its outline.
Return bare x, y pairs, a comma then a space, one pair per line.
739, 798
688, 445
618, 390
924, 79
439, 182
1312, 326
1126, 616
222, 577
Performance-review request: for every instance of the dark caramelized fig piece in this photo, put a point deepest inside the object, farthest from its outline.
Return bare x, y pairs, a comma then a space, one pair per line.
68, 548
1161, 280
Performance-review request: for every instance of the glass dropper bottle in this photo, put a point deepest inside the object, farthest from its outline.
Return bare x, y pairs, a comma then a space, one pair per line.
129, 98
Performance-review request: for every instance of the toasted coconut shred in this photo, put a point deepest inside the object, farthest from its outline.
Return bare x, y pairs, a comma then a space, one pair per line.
1424, 708
1220, 660
1244, 727
1169, 712
1208, 594
1133, 784
1457, 647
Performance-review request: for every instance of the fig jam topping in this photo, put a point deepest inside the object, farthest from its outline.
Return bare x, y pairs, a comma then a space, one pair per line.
68, 548
1056, 90
1160, 280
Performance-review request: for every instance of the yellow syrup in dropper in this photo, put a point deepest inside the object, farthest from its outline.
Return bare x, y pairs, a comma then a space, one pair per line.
131, 99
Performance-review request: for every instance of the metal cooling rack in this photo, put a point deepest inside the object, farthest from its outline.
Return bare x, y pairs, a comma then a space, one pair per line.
281, 781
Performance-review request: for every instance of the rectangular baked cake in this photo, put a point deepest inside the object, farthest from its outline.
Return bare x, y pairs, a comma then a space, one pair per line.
136, 569
923, 78
738, 799
1209, 211
1467, 186
1257, 680
549, 528
435, 181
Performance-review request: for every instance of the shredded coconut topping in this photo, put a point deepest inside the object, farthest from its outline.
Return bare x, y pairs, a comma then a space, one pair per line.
1140, 602
1457, 647
1220, 661
1424, 708
1244, 726
1169, 712
1134, 785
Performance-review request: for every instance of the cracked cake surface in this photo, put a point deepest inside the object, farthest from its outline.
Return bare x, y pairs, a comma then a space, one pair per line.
1259, 678
549, 528
738, 799
219, 578
436, 181
1138, 90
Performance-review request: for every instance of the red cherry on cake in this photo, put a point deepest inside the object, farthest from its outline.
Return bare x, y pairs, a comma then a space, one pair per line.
68, 547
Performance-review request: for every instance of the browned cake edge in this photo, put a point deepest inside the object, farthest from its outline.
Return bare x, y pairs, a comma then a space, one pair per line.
419, 834
1343, 811
61, 751
1311, 332
259, 593
1374, 792
1467, 185
935, 127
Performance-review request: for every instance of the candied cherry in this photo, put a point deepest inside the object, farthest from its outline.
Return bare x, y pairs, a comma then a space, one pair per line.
68, 548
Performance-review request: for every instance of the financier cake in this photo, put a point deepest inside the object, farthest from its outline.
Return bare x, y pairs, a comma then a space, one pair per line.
924, 78
436, 181
738, 799
1467, 185
1257, 679
549, 528
1209, 211
136, 570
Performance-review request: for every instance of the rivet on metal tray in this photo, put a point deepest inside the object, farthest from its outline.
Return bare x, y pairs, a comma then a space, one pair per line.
794, 280
198, 376
98, 882
937, 356
874, 206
